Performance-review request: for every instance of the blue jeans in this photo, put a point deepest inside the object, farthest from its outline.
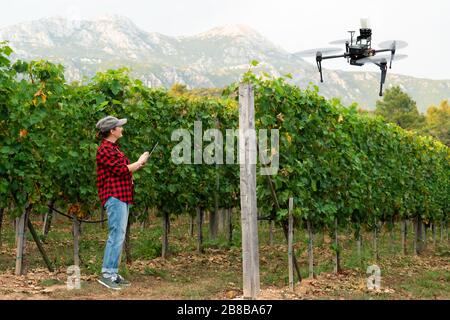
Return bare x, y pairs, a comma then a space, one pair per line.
117, 212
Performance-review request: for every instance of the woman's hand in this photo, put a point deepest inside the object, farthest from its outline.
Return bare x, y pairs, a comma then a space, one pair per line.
144, 158
140, 163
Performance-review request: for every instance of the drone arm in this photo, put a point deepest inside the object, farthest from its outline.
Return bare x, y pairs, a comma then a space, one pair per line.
383, 50
345, 55
392, 51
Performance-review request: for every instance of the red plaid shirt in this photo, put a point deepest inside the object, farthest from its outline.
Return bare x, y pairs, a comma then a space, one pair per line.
113, 177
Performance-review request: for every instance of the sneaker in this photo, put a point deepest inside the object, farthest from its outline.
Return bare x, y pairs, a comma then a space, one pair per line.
122, 281
109, 283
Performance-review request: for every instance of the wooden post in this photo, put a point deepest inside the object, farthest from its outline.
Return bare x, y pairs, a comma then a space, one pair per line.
310, 249
359, 243
213, 214
21, 240
76, 247
80, 229
418, 236
424, 234
1, 223
391, 234
219, 219
225, 213
284, 225
337, 257
433, 229
48, 219
191, 225
404, 236
375, 243
213, 223
39, 245
291, 244
145, 218
247, 161
127, 244
230, 226
165, 238
199, 230
442, 230
415, 250
168, 224
446, 230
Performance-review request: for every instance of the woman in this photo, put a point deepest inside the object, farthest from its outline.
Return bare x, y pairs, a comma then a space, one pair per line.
115, 189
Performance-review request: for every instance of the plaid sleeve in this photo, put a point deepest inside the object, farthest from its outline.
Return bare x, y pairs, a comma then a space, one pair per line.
112, 160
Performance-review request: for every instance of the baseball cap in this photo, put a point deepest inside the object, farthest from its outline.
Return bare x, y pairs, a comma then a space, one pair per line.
110, 122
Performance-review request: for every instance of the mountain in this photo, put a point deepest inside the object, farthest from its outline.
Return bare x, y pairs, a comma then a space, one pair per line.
213, 58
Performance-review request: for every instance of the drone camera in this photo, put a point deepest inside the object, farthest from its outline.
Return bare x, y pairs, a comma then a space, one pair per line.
364, 34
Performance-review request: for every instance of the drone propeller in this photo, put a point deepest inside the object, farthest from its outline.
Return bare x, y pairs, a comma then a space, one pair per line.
379, 58
393, 44
313, 52
339, 42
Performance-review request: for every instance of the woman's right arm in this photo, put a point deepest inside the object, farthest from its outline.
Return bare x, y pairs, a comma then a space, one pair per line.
140, 163
135, 166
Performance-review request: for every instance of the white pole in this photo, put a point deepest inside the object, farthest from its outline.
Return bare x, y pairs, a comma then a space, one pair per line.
247, 162
290, 245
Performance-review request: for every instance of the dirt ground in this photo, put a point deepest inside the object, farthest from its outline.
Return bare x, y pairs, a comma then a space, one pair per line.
210, 277
217, 273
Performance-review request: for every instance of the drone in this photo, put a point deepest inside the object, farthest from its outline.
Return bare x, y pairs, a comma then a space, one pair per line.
359, 51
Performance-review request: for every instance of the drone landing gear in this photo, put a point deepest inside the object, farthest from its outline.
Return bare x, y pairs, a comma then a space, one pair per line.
392, 57
319, 64
383, 68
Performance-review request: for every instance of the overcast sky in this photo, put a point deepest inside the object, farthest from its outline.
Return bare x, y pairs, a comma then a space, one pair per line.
292, 24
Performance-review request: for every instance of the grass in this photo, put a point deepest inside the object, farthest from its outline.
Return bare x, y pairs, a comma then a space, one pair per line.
147, 245
50, 282
155, 273
429, 285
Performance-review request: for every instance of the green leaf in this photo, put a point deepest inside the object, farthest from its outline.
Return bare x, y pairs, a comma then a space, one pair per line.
115, 87
4, 186
37, 117
101, 106
7, 50
6, 150
313, 185
52, 159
